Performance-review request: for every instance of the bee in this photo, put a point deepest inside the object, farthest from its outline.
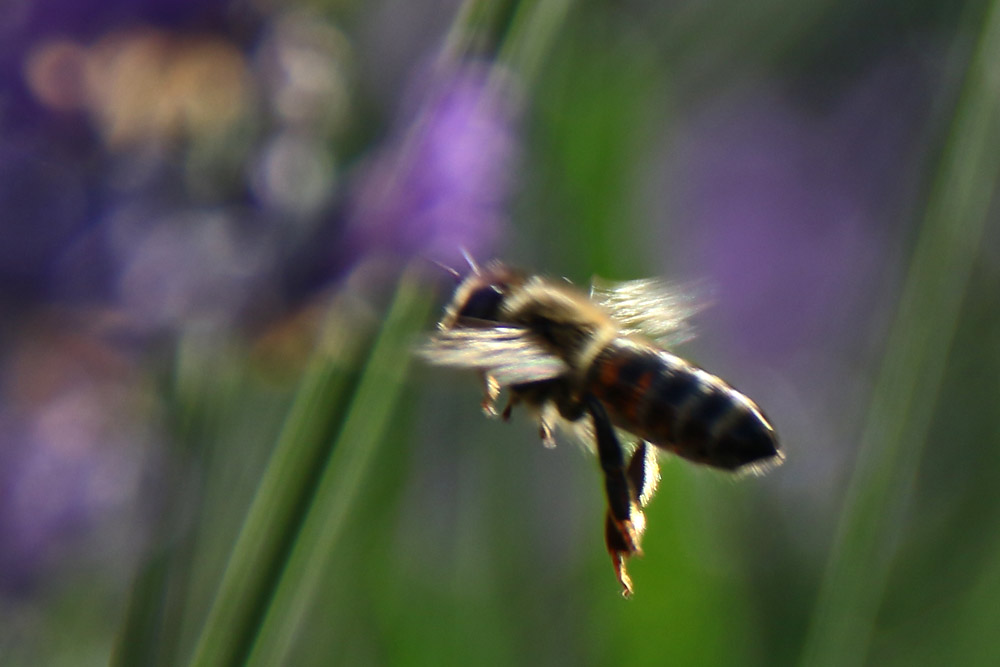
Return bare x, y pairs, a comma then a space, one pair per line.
597, 361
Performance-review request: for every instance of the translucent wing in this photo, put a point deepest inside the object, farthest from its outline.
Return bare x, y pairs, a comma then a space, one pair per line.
510, 355
650, 307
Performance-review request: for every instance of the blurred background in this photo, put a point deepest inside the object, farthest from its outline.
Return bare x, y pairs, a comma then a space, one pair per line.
218, 228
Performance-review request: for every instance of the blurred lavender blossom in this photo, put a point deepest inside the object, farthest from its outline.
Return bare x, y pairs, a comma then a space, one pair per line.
181, 268
74, 443
790, 208
443, 182
161, 162
208, 112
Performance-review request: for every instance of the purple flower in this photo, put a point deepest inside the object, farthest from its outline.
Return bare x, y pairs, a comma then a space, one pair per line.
72, 448
178, 266
787, 207
443, 183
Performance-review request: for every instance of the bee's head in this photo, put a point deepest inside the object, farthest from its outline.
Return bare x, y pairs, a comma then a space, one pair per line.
481, 294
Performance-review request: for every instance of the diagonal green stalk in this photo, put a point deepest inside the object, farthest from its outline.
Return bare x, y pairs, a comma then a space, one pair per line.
286, 486
344, 474
530, 36
138, 633
200, 389
908, 382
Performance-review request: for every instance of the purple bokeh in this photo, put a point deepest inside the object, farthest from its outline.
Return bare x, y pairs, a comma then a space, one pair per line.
789, 210
134, 211
443, 183
60, 168
73, 443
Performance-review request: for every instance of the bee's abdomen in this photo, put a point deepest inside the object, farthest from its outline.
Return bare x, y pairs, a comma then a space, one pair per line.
681, 408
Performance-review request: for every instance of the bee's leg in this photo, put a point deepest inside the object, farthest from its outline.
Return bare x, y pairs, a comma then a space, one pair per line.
625, 521
515, 395
546, 434
491, 390
512, 400
619, 552
612, 459
643, 474
545, 431
538, 396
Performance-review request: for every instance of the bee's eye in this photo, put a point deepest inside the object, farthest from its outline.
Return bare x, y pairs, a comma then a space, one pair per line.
483, 304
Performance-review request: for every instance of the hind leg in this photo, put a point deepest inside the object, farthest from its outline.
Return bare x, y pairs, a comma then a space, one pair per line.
628, 488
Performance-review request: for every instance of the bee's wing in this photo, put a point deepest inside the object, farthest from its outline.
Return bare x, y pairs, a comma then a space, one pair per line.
655, 309
510, 355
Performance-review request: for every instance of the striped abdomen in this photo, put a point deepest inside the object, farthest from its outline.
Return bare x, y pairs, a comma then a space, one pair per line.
679, 407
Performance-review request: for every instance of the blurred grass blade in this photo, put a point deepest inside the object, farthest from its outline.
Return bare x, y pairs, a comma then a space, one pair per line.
518, 32
286, 486
530, 36
345, 473
908, 382
203, 385
477, 26
138, 635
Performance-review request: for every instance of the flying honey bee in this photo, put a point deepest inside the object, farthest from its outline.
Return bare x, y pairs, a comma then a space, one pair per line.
569, 356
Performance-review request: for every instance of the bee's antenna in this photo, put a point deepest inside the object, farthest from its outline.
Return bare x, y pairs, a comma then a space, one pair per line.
441, 265
454, 273
472, 262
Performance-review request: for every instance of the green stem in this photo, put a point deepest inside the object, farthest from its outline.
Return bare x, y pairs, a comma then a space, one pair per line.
344, 475
202, 388
286, 486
